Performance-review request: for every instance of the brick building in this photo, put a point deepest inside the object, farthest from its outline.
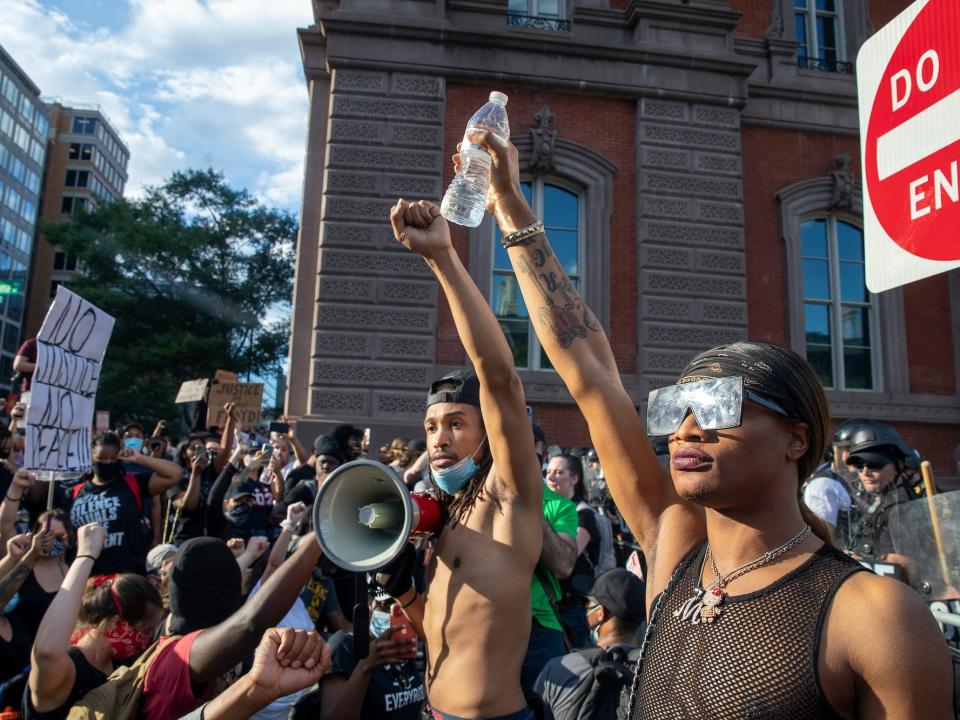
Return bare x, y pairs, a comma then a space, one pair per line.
695, 163
86, 165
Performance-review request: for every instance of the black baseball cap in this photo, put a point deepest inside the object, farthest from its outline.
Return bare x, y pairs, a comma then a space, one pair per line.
463, 386
619, 591
244, 487
875, 455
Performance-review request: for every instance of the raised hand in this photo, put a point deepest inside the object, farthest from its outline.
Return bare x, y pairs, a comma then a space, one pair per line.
90, 540
24, 479
18, 545
287, 660
295, 513
41, 544
236, 546
420, 227
504, 168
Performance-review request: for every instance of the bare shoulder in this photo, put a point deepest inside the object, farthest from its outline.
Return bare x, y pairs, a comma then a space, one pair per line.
881, 634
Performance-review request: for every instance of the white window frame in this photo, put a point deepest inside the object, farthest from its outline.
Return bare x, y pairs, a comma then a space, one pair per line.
534, 349
810, 14
532, 8
836, 305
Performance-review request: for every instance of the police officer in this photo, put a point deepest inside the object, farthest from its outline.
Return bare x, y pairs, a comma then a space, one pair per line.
880, 458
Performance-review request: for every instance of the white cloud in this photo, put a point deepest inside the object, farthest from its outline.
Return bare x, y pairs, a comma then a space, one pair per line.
187, 83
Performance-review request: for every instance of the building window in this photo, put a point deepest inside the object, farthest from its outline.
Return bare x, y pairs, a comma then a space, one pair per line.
561, 213
63, 261
77, 178
81, 151
538, 15
84, 125
70, 204
839, 317
818, 26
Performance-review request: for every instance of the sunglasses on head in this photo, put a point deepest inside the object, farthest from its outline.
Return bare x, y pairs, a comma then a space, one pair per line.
716, 404
858, 466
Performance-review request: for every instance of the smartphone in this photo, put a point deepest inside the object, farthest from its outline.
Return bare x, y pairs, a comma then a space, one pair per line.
397, 618
278, 427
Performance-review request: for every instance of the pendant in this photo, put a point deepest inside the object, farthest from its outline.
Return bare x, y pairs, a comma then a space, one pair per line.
701, 607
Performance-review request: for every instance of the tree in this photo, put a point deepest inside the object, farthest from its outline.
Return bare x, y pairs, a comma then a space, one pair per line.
192, 272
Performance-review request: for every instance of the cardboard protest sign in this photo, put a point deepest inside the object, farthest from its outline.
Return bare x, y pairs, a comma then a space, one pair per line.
192, 391
70, 349
248, 398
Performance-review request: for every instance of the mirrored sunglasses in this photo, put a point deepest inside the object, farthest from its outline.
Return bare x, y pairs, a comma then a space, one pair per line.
716, 404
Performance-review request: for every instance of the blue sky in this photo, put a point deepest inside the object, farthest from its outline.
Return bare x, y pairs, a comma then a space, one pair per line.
187, 83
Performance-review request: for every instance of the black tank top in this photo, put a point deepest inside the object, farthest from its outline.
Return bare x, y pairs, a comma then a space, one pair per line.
757, 661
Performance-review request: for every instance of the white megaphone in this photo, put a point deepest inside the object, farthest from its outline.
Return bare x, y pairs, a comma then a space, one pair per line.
364, 515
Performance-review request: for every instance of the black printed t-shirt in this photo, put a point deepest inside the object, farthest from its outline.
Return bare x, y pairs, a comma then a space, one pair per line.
115, 507
395, 692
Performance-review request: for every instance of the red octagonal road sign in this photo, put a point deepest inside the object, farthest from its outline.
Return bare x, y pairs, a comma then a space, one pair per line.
909, 92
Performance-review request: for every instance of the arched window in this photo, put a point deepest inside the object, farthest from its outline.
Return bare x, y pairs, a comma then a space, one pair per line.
560, 208
838, 311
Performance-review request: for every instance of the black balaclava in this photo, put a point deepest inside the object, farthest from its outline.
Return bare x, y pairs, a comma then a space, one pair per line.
205, 585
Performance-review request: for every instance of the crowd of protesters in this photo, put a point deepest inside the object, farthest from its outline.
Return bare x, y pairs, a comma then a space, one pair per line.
181, 578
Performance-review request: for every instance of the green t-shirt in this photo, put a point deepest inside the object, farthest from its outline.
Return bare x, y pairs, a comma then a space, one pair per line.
562, 516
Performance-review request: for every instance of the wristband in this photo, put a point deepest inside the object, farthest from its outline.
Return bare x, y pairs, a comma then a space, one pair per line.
78, 557
13, 499
523, 236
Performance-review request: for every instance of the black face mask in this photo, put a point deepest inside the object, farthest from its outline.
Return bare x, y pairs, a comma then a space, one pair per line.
239, 515
108, 472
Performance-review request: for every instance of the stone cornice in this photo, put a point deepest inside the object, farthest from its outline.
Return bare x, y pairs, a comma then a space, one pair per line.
937, 409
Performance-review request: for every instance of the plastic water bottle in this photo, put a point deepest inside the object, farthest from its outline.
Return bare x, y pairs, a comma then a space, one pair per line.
466, 197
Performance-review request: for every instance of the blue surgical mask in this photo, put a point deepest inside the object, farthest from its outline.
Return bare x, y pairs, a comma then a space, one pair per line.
11, 606
453, 479
133, 443
379, 622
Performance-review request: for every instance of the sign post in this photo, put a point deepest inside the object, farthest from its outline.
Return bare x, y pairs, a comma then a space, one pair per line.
908, 81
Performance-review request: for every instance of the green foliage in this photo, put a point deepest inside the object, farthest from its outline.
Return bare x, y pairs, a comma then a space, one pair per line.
189, 271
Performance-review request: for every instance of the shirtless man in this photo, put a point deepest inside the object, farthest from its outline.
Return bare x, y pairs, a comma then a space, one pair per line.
475, 616
756, 616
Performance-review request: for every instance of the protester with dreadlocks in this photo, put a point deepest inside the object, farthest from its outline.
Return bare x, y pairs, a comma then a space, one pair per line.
475, 617
752, 612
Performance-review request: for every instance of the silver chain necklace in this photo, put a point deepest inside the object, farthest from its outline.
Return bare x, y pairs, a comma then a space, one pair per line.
704, 605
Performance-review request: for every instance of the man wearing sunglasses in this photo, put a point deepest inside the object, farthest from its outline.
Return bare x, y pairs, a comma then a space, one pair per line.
880, 463
751, 613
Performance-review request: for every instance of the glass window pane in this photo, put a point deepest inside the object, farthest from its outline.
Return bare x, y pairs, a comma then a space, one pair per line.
817, 323
545, 363
507, 300
853, 287
548, 7
517, 333
821, 360
816, 279
849, 241
564, 243
560, 208
825, 5
856, 326
501, 261
826, 32
857, 368
800, 24
813, 236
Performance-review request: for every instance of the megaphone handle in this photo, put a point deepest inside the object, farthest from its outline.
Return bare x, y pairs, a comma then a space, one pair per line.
361, 618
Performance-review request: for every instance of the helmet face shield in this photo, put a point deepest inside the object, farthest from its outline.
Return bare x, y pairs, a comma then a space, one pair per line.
716, 404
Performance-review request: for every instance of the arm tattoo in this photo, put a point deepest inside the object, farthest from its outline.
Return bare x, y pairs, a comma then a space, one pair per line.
561, 314
12, 582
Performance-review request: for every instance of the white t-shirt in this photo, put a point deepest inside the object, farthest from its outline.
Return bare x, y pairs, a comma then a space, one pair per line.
826, 497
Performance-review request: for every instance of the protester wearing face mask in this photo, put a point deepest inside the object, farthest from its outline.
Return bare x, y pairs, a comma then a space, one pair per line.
47, 570
615, 615
88, 628
385, 684
114, 499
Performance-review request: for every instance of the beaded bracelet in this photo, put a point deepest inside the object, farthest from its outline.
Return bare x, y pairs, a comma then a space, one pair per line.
523, 236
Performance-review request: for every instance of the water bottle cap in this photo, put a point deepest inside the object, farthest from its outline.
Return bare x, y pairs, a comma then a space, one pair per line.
498, 97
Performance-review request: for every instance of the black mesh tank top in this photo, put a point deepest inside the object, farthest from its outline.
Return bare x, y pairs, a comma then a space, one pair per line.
758, 661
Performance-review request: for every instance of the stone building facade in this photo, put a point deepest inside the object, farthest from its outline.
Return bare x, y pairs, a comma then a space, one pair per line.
694, 159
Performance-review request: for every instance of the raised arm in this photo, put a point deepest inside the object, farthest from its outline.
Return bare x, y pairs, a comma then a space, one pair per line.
52, 672
22, 481
226, 438
26, 550
218, 649
190, 498
577, 346
420, 227
164, 474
